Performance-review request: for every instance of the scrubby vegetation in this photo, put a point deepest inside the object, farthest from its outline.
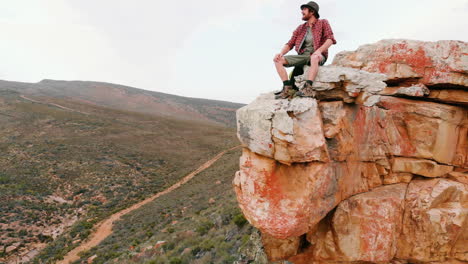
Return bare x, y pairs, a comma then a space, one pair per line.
62, 168
198, 223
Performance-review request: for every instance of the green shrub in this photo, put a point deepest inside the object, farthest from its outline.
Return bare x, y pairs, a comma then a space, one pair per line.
239, 220
207, 245
82, 229
168, 246
23, 232
195, 250
204, 227
175, 260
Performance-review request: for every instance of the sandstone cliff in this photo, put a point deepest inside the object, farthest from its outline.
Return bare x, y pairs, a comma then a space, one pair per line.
374, 169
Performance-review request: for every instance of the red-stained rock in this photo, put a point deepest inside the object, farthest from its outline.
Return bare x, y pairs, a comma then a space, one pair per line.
421, 167
364, 227
398, 127
275, 197
426, 130
278, 249
338, 181
367, 225
396, 177
429, 63
450, 96
312, 170
458, 176
287, 201
423, 222
354, 132
332, 116
435, 221
360, 141
416, 90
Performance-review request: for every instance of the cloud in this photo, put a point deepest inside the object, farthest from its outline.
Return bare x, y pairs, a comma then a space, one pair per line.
42, 41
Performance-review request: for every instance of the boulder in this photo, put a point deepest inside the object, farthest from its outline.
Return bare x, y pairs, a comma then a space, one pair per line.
350, 82
274, 197
435, 223
364, 227
416, 90
426, 130
405, 62
396, 127
287, 131
450, 96
367, 225
288, 200
421, 167
278, 249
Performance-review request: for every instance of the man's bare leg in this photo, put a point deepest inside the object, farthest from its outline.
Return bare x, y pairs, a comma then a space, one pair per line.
314, 64
281, 69
287, 90
307, 90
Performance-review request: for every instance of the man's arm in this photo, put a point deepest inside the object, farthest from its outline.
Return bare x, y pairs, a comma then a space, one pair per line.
325, 46
283, 51
288, 46
330, 38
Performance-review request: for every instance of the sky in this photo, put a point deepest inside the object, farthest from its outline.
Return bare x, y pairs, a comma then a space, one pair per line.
212, 49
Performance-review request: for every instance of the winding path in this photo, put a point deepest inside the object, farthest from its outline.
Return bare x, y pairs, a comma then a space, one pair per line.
104, 228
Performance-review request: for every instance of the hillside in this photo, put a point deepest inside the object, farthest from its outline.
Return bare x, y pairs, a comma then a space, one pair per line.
67, 164
198, 223
130, 99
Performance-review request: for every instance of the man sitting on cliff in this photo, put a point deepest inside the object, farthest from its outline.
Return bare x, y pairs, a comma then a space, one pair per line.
312, 40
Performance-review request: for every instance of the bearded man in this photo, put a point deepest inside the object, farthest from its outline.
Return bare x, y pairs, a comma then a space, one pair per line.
312, 40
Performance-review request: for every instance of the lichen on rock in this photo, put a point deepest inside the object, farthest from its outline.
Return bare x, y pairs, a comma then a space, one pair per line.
373, 169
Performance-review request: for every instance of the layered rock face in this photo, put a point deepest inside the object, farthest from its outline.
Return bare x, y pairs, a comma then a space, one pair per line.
374, 169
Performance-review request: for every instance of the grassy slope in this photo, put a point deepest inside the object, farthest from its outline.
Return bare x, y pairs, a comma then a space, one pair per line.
99, 162
195, 229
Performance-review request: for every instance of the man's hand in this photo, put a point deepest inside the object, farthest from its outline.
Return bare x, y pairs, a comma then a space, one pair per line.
277, 57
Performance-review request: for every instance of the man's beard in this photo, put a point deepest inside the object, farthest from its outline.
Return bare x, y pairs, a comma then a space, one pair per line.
306, 18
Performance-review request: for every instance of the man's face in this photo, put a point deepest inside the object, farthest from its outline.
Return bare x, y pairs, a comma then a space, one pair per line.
306, 14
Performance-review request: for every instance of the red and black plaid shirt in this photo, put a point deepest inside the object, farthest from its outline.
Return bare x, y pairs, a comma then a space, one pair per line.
321, 31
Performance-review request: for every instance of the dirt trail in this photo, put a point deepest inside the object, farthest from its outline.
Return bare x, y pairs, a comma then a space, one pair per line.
57, 105
104, 228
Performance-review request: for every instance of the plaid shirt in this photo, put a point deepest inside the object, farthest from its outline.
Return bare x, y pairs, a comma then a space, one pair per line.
321, 31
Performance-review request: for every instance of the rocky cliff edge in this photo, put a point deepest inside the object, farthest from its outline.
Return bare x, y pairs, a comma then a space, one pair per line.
373, 169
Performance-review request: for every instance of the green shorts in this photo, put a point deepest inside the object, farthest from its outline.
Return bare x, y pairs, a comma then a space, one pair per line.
300, 60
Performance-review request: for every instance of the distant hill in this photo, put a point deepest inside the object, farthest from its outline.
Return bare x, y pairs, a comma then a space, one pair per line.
130, 99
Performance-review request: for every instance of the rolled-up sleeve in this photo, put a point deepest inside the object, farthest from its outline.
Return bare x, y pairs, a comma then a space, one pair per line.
328, 32
292, 41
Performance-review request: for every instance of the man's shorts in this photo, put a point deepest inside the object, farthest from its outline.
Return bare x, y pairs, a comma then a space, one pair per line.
300, 60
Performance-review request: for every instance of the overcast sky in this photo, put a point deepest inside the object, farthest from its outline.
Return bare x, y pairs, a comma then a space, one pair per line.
207, 48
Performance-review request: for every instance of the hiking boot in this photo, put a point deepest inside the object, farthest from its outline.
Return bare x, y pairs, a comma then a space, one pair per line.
306, 91
285, 93
292, 93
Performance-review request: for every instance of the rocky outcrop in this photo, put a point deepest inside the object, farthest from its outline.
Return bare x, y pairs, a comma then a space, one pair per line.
440, 64
373, 169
